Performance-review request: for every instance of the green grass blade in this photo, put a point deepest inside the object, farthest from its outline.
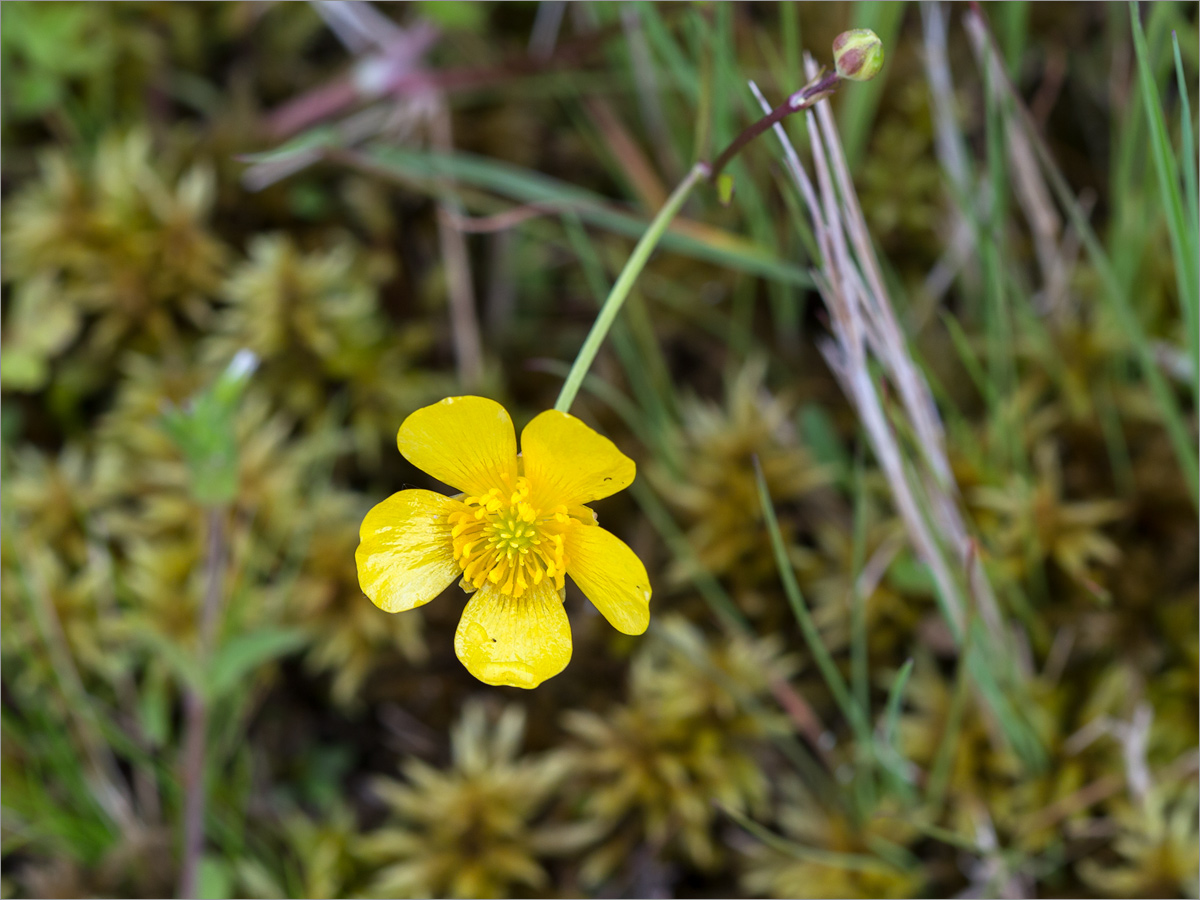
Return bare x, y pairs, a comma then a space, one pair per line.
1188, 139
1191, 196
943, 760
829, 671
789, 24
968, 358
997, 317
709, 588
1167, 171
857, 108
895, 696
1012, 26
859, 678
886, 752
1115, 290
523, 186
719, 601
856, 861
1181, 440
788, 744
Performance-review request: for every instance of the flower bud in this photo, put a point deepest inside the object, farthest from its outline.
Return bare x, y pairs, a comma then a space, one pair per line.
858, 54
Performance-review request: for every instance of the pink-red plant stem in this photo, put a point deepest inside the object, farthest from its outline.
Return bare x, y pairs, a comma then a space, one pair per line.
801, 100
195, 748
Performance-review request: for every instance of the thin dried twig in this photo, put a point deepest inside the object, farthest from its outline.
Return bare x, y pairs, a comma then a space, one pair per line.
864, 325
650, 190
1032, 193
509, 218
546, 25
464, 322
1101, 789
649, 97
395, 73
915, 394
359, 25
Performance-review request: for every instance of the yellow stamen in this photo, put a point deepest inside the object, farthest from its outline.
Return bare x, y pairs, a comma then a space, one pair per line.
499, 537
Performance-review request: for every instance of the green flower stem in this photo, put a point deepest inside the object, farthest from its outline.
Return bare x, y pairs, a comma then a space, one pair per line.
801, 100
620, 290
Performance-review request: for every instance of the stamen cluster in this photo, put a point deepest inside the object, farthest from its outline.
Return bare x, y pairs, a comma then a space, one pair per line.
502, 538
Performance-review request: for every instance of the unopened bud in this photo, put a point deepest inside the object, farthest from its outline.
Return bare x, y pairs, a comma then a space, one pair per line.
858, 54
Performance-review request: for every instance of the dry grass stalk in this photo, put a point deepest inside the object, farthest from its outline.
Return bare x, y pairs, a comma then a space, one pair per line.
866, 330
464, 323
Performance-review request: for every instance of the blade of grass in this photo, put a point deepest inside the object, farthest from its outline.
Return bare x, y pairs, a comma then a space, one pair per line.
854, 861
886, 752
1114, 439
703, 140
1013, 23
789, 24
1118, 302
645, 79
943, 760
1183, 247
858, 612
104, 780
710, 589
968, 358
700, 242
683, 73
792, 748
895, 696
1188, 140
729, 615
857, 108
993, 256
729, 114
812, 636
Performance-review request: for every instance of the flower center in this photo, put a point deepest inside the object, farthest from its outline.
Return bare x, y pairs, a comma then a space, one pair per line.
500, 538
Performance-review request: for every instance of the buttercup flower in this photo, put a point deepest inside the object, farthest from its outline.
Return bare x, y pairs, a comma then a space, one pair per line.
518, 527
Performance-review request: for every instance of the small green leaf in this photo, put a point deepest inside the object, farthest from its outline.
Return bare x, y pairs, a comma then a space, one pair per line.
22, 370
177, 658
820, 436
725, 188
214, 880
455, 14
203, 429
910, 576
244, 653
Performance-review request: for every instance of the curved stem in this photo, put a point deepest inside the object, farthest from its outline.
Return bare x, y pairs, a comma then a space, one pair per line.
802, 99
620, 290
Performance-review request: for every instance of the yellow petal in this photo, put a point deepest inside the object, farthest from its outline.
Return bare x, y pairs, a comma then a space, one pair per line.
567, 462
404, 556
611, 576
519, 642
467, 442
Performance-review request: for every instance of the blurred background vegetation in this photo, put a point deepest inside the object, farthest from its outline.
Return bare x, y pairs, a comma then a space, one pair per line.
391, 204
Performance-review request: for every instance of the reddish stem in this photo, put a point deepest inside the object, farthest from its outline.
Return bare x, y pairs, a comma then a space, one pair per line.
802, 99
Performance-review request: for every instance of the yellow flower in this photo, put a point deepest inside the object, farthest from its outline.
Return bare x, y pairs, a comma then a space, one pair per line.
518, 527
